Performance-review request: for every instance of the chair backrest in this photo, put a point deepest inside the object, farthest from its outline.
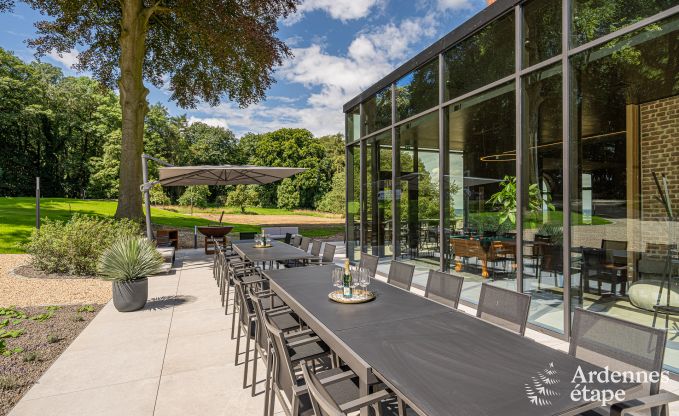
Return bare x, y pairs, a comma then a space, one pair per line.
504, 307
612, 251
288, 238
283, 371
321, 400
444, 288
328, 253
296, 241
401, 274
304, 245
246, 308
316, 247
369, 262
621, 345
262, 337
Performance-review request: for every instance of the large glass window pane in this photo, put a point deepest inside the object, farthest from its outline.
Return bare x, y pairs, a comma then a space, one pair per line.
481, 59
541, 31
593, 19
417, 195
480, 229
353, 200
353, 124
542, 196
625, 134
417, 91
377, 111
379, 195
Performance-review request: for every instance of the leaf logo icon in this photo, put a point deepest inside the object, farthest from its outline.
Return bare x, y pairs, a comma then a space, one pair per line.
538, 390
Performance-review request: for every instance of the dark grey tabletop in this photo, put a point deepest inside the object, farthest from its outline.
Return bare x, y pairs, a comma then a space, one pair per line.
277, 252
441, 361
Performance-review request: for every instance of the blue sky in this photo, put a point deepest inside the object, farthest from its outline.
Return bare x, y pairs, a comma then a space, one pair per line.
340, 48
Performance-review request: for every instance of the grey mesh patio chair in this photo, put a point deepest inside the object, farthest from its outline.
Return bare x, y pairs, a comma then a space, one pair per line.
328, 255
444, 288
401, 274
504, 307
369, 262
287, 352
336, 393
623, 346
304, 245
316, 247
296, 241
288, 238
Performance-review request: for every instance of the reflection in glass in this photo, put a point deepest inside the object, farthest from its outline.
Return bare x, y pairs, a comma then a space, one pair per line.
353, 201
593, 19
377, 111
417, 195
353, 124
541, 31
542, 196
418, 91
481, 59
625, 131
479, 227
379, 195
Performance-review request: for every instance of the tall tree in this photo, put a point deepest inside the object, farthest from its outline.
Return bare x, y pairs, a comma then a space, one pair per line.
203, 49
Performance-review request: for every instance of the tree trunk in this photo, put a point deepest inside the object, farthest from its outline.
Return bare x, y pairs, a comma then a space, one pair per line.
134, 107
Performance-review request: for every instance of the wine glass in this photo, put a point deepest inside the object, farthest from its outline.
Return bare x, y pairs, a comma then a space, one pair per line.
337, 277
365, 278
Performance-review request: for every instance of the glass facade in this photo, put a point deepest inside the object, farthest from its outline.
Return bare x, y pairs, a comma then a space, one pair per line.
548, 167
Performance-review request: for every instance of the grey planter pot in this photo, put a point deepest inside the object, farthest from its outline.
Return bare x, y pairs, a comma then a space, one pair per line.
131, 295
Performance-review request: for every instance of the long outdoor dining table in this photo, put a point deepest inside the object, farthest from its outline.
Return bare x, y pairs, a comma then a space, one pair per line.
440, 361
278, 251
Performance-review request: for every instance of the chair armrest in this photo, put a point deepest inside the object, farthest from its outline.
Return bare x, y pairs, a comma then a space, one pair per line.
251, 282
281, 310
301, 333
365, 401
301, 342
648, 402
336, 378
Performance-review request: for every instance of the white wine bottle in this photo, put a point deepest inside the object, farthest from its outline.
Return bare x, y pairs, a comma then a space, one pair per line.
347, 290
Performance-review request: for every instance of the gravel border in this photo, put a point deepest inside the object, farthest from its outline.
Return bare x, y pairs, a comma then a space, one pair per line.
42, 343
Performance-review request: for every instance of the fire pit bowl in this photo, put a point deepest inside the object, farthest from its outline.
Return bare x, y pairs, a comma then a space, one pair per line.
215, 231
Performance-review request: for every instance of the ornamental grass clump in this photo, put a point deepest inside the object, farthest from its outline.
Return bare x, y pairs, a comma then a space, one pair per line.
129, 259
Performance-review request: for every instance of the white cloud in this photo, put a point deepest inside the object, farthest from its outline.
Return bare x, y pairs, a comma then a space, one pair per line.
332, 79
68, 59
343, 10
455, 4
210, 121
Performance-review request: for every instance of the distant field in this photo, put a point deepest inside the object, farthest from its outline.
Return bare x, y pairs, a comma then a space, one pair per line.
17, 218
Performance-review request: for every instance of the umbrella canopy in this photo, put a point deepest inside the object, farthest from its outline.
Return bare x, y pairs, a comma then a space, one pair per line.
224, 175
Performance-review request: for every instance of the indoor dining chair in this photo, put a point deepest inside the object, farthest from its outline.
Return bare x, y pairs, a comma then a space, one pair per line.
444, 288
503, 307
401, 274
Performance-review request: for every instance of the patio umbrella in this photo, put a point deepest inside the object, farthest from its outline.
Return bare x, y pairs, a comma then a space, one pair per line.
208, 175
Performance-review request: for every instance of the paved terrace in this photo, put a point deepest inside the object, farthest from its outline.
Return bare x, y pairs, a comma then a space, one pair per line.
175, 357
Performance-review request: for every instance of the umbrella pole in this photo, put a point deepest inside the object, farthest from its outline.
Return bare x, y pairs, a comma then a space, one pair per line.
147, 196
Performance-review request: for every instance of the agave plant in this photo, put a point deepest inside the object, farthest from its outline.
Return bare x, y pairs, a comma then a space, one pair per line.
129, 259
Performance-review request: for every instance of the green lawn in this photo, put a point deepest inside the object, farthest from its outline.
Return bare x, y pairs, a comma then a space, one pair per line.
17, 218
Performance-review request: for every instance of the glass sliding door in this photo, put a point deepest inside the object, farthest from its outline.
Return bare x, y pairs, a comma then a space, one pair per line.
624, 177
379, 195
480, 190
542, 196
417, 191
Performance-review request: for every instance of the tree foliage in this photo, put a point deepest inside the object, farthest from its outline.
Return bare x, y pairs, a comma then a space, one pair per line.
242, 197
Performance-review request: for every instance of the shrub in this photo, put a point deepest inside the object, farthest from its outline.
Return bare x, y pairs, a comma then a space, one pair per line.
74, 246
157, 196
195, 195
333, 201
129, 259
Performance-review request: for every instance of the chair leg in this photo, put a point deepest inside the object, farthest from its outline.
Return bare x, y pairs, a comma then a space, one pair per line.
401, 407
247, 357
254, 369
233, 315
267, 385
237, 345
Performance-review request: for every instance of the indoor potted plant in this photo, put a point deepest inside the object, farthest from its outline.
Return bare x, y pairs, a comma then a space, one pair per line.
127, 263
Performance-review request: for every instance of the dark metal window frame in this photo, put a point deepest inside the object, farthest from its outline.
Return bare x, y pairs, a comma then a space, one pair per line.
435, 52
